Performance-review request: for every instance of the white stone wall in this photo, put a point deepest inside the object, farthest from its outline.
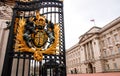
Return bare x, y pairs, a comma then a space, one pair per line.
83, 68
98, 66
73, 59
117, 60
3, 42
82, 54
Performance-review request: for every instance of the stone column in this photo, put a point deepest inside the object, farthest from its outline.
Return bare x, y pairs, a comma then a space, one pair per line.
88, 52
92, 49
85, 52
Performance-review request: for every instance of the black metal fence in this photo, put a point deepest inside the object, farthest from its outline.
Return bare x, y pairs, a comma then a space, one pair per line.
22, 63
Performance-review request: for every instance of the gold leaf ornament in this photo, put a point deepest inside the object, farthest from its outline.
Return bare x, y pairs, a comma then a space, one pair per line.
21, 45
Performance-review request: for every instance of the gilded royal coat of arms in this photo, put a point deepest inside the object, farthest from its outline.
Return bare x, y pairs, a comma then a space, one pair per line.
37, 35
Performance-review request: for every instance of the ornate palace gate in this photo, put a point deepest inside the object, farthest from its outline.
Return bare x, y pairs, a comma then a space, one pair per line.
42, 53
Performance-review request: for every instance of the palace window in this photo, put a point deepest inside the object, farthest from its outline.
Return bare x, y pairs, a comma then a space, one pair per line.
115, 65
107, 67
104, 53
103, 43
109, 40
119, 49
111, 51
116, 37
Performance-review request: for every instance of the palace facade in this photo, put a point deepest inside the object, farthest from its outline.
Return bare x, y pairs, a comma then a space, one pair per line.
98, 50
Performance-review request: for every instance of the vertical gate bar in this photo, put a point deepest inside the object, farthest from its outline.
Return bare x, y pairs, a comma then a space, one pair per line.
44, 68
43, 10
47, 14
50, 72
37, 67
55, 15
60, 34
29, 64
50, 64
40, 68
34, 67
64, 58
17, 63
51, 14
23, 69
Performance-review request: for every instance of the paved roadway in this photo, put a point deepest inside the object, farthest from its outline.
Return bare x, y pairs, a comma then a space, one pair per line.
96, 74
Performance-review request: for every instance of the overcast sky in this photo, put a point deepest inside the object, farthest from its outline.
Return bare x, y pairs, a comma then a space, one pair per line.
78, 13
